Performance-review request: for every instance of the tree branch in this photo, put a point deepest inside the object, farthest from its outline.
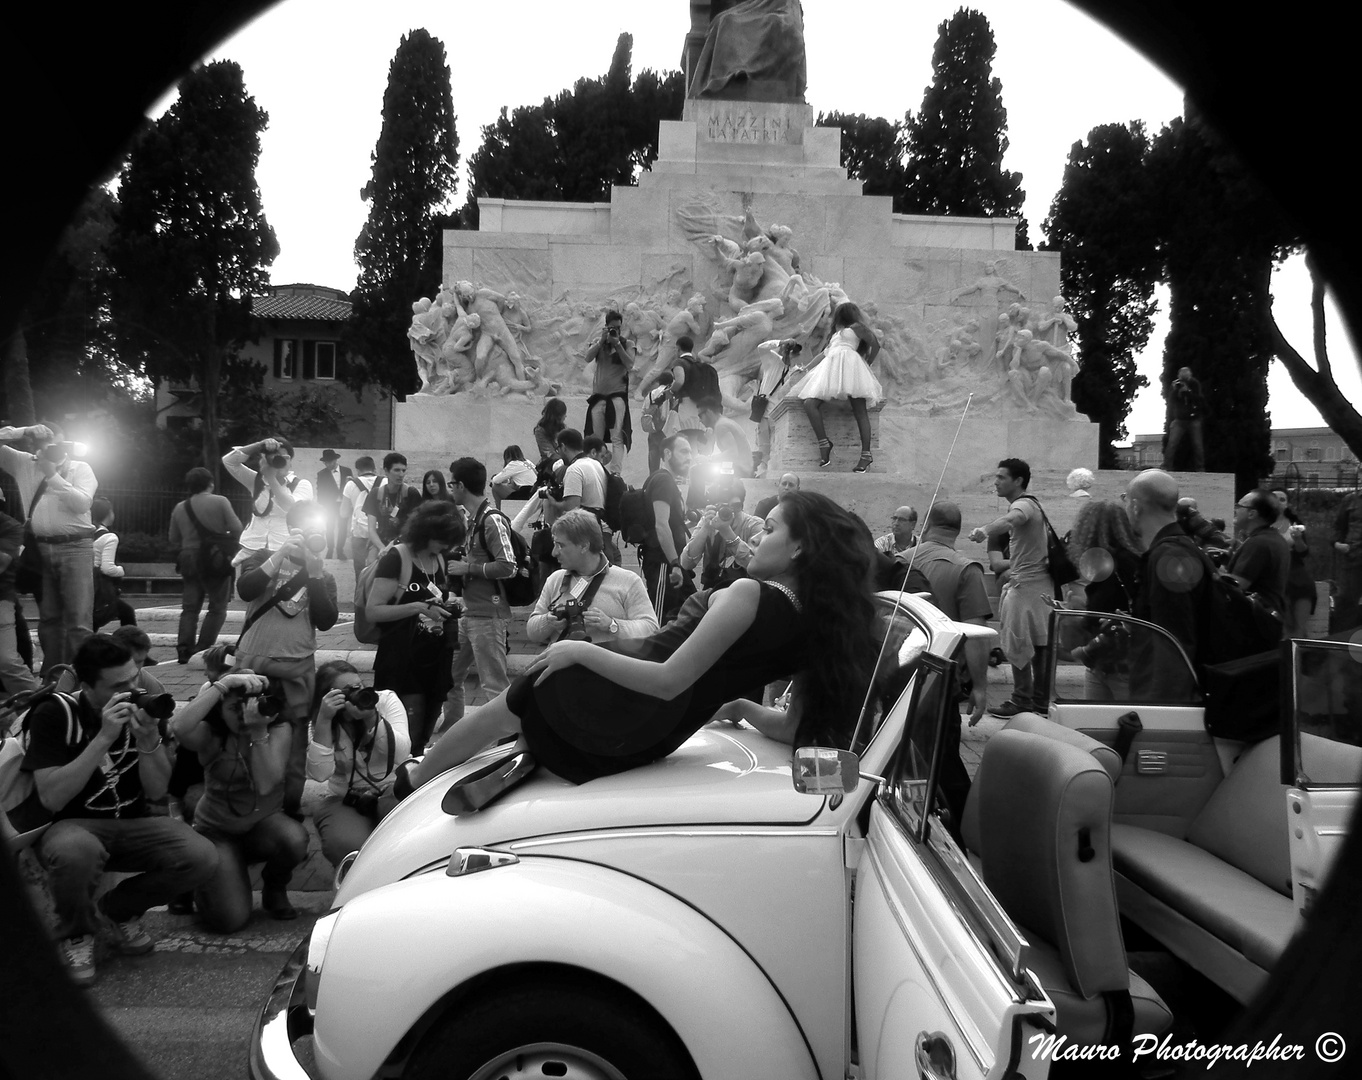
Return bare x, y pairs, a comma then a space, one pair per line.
1317, 313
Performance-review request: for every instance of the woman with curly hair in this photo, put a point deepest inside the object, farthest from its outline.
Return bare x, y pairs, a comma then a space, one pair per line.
1103, 546
551, 421
804, 611
408, 601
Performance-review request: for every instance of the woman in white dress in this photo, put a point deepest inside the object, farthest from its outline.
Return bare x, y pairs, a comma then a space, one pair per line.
844, 374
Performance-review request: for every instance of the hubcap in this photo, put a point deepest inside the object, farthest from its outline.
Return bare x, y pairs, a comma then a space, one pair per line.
535, 1061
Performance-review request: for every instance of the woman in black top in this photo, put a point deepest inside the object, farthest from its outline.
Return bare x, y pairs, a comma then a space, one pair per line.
806, 611
409, 600
1103, 547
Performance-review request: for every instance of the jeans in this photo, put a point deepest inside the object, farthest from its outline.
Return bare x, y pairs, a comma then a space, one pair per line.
66, 609
218, 592
343, 829
297, 678
173, 858
482, 640
224, 900
1031, 684
15, 675
1189, 430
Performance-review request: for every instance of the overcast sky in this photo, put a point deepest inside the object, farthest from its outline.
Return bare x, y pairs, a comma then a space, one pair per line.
319, 68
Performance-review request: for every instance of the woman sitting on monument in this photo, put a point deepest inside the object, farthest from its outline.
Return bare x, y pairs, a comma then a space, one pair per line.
804, 611
551, 421
844, 375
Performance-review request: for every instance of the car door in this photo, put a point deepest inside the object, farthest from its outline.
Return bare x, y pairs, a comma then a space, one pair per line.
1108, 666
940, 986
1321, 758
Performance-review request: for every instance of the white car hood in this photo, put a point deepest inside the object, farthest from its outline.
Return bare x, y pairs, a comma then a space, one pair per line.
722, 775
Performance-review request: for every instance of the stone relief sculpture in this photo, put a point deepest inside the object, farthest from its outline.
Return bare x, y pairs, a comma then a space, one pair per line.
754, 51
1057, 324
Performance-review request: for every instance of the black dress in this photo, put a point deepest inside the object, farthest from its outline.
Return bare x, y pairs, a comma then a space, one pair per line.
412, 657
580, 725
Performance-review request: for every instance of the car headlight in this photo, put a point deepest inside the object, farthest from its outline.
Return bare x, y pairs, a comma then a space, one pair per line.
316, 956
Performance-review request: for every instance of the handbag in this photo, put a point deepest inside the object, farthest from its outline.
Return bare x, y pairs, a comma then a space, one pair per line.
761, 401
1243, 697
28, 567
106, 598
1062, 569
216, 550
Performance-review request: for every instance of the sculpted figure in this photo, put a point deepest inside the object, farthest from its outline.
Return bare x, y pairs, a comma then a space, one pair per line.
728, 255
645, 327
988, 286
1032, 372
1056, 325
689, 322
747, 275
517, 320
457, 368
487, 304
426, 334
754, 51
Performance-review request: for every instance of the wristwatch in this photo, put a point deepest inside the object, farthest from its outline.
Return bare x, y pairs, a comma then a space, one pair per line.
614, 626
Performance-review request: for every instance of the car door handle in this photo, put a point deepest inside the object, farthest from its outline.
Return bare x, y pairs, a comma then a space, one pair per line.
935, 1057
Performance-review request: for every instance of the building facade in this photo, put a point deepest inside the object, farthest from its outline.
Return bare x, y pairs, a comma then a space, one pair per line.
1310, 457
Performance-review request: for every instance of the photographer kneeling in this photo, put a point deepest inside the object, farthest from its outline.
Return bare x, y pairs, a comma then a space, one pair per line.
588, 599
725, 538
239, 730
359, 737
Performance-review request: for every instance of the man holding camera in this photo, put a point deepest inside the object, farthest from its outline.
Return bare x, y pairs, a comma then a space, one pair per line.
275, 490
725, 538
58, 492
289, 597
1186, 407
489, 559
660, 553
588, 599
94, 769
607, 412
389, 503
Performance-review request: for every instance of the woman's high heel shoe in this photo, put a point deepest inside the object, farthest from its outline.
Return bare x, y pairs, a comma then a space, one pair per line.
864, 463
824, 453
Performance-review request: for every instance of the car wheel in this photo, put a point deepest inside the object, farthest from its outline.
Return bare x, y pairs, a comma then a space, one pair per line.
562, 1029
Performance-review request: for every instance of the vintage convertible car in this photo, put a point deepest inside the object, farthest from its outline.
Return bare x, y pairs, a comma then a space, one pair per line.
732, 911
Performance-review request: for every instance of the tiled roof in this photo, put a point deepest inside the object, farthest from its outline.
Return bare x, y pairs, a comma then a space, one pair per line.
301, 305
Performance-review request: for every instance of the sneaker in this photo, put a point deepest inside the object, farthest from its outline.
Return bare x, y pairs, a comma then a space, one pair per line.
1007, 709
78, 953
130, 939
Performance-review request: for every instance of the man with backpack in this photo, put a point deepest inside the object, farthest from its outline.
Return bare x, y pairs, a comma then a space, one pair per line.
202, 518
489, 560
389, 503
353, 498
96, 760
694, 384
1024, 610
661, 544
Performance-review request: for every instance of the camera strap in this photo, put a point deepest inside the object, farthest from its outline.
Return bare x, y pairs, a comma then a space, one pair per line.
38, 494
364, 774
296, 582
590, 594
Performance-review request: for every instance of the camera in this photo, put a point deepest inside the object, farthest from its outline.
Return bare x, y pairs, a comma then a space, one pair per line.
1109, 646
361, 697
575, 614
450, 606
157, 706
270, 703
725, 513
278, 461
365, 802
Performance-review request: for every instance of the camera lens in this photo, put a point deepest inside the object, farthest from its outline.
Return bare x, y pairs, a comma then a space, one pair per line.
362, 697
278, 461
157, 706
316, 543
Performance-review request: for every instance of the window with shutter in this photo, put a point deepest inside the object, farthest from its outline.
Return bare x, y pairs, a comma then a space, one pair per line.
285, 358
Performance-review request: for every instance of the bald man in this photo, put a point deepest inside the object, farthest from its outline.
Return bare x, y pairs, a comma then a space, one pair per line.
788, 482
1174, 579
898, 541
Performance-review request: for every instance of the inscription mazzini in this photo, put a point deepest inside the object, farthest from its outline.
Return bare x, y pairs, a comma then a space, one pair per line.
749, 127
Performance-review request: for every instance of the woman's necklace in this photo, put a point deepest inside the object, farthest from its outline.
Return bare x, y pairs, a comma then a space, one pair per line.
789, 595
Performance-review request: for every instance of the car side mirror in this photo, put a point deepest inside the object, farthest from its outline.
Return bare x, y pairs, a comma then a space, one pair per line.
823, 770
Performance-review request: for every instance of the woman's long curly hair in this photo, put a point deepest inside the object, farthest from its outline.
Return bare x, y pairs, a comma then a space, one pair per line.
833, 581
1101, 523
554, 417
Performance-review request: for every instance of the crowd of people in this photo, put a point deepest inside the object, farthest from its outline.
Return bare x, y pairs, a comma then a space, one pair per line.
115, 776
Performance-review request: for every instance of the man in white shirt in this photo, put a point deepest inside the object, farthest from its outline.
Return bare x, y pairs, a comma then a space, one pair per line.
353, 497
584, 478
274, 492
56, 493
898, 541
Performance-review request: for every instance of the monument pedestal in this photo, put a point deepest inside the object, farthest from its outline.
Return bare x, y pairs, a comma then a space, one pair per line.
794, 447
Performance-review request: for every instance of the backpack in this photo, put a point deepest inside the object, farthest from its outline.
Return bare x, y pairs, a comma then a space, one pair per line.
656, 409
702, 382
519, 588
615, 490
635, 516
366, 632
216, 550
18, 795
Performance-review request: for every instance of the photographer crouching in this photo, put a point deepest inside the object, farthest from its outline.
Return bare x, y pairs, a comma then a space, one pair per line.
243, 739
289, 597
725, 537
359, 737
589, 599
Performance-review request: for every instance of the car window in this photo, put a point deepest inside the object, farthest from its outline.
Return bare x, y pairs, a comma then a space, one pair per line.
902, 640
1326, 704
913, 779
1123, 659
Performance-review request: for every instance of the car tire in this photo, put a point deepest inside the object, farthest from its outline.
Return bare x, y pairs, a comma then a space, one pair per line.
558, 1028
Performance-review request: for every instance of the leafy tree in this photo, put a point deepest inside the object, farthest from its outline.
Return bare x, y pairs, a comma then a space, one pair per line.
1103, 220
190, 242
872, 152
579, 143
957, 139
1219, 238
415, 166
